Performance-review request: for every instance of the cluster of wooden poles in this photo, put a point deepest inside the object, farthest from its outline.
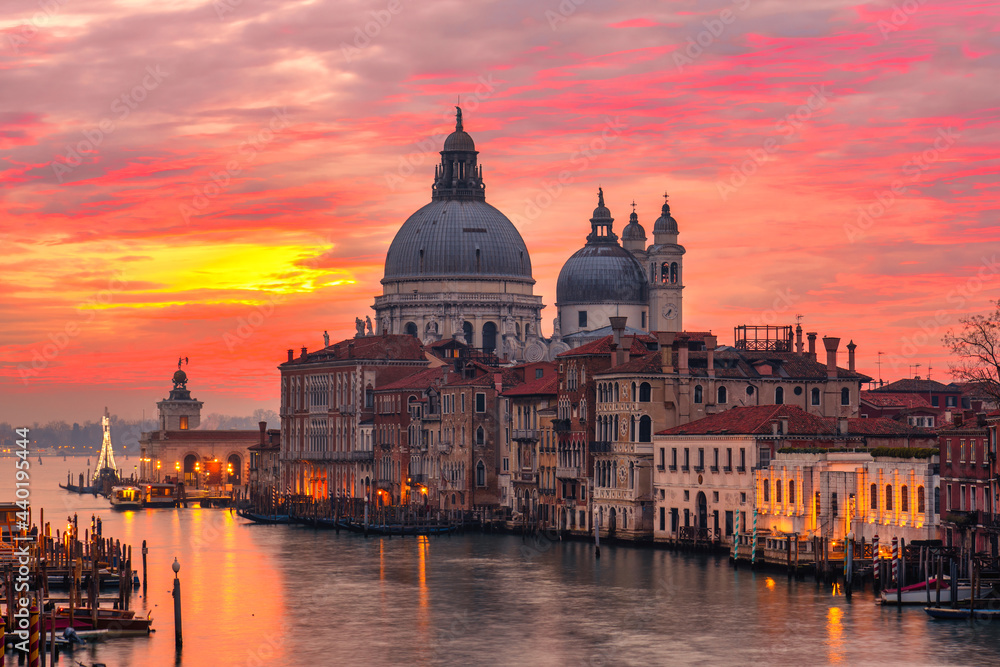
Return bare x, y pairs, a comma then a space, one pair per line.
65, 561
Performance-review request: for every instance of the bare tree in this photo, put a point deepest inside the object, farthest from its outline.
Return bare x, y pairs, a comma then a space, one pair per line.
977, 347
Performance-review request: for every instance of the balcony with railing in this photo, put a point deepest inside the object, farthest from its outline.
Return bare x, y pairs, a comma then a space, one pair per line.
524, 434
568, 472
600, 446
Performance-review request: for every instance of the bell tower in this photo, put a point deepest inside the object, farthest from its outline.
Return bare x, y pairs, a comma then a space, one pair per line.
179, 412
665, 260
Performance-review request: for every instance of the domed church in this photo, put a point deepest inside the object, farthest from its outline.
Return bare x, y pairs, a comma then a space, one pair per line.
459, 268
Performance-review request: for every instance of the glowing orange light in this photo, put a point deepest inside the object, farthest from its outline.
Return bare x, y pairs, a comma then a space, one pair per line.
769, 583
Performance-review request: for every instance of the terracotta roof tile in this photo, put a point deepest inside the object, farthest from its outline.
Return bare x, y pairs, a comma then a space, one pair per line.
420, 380
882, 399
536, 387
756, 420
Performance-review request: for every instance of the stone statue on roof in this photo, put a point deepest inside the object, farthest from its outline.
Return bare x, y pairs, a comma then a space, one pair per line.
360, 326
368, 325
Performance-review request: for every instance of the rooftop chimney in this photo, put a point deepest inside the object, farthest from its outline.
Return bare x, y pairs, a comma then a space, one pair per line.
617, 329
798, 339
682, 355
303, 351
831, 344
842, 427
710, 344
666, 341
263, 431
850, 355
291, 354
812, 344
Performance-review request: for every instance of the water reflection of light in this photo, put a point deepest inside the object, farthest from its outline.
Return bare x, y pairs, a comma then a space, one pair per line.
769, 582
834, 630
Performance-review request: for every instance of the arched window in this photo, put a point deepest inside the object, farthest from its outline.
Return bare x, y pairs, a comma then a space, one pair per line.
632, 429
616, 392
614, 433
779, 395
777, 490
904, 499
645, 429
791, 491
467, 332
845, 396
723, 395
767, 490
674, 273
644, 392
698, 393
665, 272
480, 436
489, 337
480, 474
874, 494
921, 506
411, 329
888, 497
633, 392
814, 396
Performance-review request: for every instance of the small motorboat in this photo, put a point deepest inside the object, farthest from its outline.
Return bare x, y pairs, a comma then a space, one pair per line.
126, 498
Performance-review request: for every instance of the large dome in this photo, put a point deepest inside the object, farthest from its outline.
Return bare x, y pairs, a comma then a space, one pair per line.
601, 273
451, 238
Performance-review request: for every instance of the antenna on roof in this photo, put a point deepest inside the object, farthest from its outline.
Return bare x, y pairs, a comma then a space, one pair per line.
880, 368
929, 369
798, 319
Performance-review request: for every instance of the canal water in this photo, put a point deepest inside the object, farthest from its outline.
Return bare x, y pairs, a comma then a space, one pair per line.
285, 595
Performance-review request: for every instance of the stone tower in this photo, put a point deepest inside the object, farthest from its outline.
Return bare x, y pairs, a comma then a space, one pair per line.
665, 261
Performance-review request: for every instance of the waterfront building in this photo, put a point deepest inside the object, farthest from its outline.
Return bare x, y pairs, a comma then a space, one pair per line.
916, 401
407, 432
179, 451
263, 472
968, 483
780, 457
529, 460
327, 407
471, 436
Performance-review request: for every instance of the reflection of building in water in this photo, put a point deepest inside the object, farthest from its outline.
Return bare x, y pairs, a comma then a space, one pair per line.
179, 451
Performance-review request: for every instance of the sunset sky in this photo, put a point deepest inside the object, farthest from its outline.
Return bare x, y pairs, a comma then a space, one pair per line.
221, 180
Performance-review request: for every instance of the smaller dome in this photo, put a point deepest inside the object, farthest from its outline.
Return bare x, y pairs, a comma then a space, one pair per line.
459, 140
633, 230
180, 377
665, 224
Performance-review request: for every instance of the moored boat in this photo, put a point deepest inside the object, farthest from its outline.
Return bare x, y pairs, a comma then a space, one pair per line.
917, 593
116, 621
126, 498
958, 613
159, 495
264, 518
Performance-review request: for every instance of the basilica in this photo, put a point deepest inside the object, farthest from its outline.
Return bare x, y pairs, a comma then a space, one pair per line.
458, 268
